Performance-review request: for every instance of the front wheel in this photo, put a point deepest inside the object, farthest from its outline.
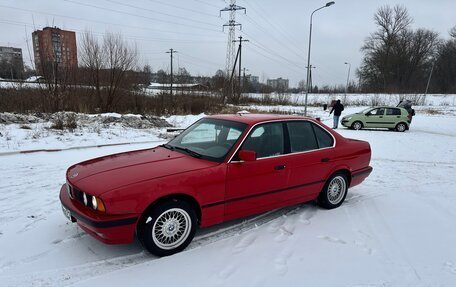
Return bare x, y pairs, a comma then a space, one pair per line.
168, 228
334, 191
357, 125
401, 127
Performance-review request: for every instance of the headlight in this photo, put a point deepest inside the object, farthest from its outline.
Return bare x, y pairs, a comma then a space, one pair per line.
94, 202
97, 204
69, 191
348, 118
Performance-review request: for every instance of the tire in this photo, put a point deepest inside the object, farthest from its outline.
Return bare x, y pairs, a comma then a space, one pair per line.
401, 127
357, 125
334, 192
168, 228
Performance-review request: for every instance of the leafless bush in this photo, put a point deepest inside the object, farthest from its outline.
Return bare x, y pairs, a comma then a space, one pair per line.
374, 100
62, 121
57, 122
431, 111
70, 122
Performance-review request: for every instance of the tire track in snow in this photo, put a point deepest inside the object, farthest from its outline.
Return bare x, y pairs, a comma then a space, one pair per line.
69, 275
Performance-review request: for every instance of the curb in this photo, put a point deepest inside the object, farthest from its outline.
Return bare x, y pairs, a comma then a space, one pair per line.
72, 148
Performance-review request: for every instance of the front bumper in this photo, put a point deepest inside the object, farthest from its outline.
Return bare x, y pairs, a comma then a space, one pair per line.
345, 123
110, 229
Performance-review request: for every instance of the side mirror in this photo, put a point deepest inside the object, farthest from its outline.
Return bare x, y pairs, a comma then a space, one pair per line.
247, 155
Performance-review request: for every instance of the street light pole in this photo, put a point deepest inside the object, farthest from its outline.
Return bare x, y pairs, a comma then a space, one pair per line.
308, 53
348, 80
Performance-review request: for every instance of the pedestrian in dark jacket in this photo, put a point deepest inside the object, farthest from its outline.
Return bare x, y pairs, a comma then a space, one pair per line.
337, 109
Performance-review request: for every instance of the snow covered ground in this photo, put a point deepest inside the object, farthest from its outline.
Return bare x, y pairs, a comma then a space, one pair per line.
395, 229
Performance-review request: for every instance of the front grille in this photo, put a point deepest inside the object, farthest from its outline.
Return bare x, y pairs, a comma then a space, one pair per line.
78, 195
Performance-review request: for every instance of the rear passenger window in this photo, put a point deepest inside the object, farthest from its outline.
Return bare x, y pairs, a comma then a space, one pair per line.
302, 137
323, 138
393, 112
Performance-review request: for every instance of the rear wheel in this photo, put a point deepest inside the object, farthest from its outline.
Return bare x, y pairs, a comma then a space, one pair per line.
357, 125
401, 127
334, 191
168, 228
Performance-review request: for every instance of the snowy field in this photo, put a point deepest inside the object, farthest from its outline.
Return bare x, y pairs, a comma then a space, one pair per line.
395, 229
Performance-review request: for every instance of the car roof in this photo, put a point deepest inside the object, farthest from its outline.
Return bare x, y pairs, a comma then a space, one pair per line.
390, 107
252, 119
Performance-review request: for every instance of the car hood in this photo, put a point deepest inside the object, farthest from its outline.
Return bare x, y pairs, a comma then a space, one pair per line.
353, 115
102, 174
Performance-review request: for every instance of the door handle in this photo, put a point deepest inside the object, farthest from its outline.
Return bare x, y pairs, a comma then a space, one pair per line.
398, 116
381, 117
279, 167
325, 159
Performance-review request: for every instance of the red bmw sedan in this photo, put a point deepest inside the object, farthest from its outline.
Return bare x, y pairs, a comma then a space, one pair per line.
221, 168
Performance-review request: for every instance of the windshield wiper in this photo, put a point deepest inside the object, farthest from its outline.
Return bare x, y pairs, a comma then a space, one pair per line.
167, 146
189, 151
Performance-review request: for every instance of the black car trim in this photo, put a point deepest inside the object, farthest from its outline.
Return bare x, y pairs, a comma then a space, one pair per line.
358, 173
390, 123
100, 224
260, 194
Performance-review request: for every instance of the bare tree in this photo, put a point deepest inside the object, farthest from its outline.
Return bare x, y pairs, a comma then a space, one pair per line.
91, 57
108, 65
453, 32
396, 58
118, 58
444, 79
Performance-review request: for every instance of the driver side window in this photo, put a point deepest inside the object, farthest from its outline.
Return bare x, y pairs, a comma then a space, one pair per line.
376, 112
266, 140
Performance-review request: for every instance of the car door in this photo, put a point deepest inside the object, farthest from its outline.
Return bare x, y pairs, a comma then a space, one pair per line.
254, 186
392, 117
311, 160
374, 118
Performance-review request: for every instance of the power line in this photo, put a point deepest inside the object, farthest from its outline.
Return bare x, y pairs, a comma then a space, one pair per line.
101, 22
272, 52
185, 9
137, 15
160, 13
272, 35
100, 34
207, 3
281, 31
200, 59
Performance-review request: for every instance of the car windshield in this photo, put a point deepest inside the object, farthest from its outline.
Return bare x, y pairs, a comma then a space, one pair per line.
209, 139
365, 110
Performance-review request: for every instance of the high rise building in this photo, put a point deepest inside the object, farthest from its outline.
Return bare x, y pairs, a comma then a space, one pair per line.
54, 48
11, 63
278, 84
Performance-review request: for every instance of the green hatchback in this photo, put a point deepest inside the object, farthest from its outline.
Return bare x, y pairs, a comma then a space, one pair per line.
392, 118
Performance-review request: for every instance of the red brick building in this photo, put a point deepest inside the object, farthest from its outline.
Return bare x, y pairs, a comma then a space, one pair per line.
53, 46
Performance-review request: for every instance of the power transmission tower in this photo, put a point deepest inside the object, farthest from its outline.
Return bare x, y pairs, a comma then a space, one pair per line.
230, 51
240, 65
171, 52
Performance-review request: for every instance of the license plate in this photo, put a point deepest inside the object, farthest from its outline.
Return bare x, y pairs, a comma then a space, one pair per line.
66, 212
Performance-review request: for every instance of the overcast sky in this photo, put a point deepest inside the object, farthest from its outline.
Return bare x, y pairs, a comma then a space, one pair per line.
278, 31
